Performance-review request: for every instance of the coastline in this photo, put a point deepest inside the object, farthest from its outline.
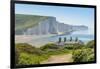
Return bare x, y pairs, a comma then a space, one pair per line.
40, 40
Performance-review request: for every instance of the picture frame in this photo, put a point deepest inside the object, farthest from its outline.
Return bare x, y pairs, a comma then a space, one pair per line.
13, 64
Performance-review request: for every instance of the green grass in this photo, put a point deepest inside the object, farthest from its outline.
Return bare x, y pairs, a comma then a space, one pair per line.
57, 52
29, 59
27, 54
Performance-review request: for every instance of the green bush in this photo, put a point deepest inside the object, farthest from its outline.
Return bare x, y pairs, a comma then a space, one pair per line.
29, 59
83, 55
78, 46
74, 46
57, 52
24, 47
26, 54
91, 57
78, 56
49, 46
70, 47
90, 44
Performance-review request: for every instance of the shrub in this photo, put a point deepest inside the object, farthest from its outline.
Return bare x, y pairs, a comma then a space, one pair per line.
57, 52
28, 59
83, 55
74, 46
26, 54
49, 46
78, 46
90, 44
91, 57
24, 47
78, 56
70, 47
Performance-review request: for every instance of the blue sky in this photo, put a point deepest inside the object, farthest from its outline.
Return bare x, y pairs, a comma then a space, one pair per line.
67, 15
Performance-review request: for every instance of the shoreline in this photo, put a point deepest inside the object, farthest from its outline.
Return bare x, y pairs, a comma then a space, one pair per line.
40, 40
34, 40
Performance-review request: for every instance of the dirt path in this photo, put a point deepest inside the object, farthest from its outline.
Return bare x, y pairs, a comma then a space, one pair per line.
59, 59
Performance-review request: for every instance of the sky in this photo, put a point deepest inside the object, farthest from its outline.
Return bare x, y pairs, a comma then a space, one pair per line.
67, 15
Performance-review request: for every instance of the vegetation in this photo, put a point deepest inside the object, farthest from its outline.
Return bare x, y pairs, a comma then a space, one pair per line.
28, 59
26, 54
85, 53
24, 47
49, 46
90, 44
74, 46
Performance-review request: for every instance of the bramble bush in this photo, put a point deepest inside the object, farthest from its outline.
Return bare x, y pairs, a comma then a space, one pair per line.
90, 44
26, 54
49, 46
83, 55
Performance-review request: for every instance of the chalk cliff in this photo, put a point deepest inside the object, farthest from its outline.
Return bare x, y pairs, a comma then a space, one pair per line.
40, 25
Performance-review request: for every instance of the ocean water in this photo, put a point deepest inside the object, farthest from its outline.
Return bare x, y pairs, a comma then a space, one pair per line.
40, 41
83, 37
52, 39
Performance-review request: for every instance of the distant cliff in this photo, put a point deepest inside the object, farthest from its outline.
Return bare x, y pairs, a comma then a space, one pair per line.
39, 25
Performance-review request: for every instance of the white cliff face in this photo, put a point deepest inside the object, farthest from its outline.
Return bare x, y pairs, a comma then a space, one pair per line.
53, 26
64, 27
31, 31
50, 26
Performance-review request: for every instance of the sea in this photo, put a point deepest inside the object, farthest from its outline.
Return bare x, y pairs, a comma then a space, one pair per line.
41, 40
85, 38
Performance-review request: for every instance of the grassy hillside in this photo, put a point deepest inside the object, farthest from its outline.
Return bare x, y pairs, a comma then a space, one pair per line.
23, 21
26, 54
